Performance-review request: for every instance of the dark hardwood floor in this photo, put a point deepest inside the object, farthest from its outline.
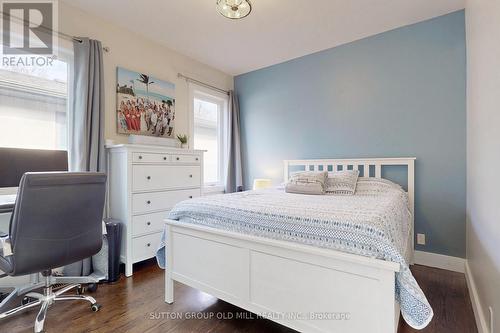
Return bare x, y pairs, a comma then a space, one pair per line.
449, 297
136, 305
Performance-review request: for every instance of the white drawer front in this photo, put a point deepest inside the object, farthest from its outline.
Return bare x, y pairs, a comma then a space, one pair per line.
158, 177
186, 159
145, 247
150, 158
147, 202
144, 224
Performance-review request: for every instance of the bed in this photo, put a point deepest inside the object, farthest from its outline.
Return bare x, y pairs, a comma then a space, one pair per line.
306, 262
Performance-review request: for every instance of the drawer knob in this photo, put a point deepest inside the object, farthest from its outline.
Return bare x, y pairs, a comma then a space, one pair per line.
190, 197
148, 244
148, 177
140, 157
148, 223
164, 158
177, 158
190, 176
148, 202
197, 158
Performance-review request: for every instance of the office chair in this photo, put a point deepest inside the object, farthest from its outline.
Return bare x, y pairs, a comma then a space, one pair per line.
57, 220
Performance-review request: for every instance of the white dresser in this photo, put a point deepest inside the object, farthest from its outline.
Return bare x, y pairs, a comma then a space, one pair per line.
145, 182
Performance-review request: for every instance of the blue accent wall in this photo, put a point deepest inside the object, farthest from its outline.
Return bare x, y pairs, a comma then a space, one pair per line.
397, 94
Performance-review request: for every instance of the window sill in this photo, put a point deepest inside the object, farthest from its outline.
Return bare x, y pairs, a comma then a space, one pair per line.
213, 189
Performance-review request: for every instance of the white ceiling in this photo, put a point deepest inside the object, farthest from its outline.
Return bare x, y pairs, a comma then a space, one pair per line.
275, 31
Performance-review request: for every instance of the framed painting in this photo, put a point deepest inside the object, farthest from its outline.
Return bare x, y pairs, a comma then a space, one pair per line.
145, 105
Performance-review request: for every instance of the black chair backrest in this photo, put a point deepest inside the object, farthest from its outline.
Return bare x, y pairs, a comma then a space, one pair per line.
57, 220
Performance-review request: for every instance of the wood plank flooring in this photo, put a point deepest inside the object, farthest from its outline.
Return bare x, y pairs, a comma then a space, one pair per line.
136, 305
449, 297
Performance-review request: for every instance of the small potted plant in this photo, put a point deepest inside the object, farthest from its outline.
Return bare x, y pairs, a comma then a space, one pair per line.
183, 139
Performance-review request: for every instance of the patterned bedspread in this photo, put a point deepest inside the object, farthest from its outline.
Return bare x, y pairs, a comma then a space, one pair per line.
375, 222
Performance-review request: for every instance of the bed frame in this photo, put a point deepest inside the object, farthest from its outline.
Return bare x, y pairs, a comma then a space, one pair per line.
302, 287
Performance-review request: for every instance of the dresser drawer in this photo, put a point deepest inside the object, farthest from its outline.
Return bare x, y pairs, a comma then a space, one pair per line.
186, 159
159, 177
144, 247
147, 202
144, 224
150, 158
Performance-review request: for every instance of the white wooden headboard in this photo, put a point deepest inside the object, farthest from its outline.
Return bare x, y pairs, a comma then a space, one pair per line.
361, 164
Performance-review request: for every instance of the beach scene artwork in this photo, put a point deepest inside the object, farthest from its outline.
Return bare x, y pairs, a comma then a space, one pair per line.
145, 104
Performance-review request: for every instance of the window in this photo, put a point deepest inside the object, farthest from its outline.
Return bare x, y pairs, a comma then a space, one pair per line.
209, 132
33, 105
33, 114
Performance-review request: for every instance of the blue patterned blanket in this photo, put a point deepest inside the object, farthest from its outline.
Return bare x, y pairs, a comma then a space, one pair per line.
375, 222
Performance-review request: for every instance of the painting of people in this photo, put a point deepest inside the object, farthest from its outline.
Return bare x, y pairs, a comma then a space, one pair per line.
145, 104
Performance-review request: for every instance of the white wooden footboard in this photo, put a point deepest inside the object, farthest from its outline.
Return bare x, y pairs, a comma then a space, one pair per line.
305, 288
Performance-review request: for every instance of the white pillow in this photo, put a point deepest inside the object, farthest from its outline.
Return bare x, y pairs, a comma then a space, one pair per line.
371, 186
307, 182
342, 182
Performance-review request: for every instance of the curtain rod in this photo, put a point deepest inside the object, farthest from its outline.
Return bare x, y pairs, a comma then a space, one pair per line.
59, 33
76, 39
190, 79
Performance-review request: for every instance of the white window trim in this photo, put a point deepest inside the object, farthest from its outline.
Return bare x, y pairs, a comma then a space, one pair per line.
223, 101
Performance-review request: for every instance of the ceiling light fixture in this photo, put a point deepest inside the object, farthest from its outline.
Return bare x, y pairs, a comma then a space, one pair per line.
234, 9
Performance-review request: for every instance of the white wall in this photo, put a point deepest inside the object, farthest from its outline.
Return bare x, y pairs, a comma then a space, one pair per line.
139, 54
483, 152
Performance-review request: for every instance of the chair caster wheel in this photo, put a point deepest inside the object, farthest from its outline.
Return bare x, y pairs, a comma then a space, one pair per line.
80, 290
27, 300
92, 287
95, 307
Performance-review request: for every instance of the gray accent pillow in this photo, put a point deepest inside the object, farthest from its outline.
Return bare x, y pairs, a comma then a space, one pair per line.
342, 182
307, 182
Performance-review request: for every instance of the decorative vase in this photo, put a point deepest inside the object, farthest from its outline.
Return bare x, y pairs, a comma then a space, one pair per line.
184, 145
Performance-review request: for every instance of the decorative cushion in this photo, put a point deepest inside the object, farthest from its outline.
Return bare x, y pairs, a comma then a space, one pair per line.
307, 182
342, 182
376, 186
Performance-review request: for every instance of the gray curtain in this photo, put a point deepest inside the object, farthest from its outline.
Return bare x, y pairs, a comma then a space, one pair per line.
86, 120
234, 179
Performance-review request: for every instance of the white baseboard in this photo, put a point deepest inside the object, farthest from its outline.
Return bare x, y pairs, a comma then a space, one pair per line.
481, 322
439, 261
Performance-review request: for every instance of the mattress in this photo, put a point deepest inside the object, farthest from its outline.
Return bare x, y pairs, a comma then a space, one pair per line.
374, 222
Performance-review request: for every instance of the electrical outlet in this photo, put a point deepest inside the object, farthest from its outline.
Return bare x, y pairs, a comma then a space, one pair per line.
491, 319
421, 239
